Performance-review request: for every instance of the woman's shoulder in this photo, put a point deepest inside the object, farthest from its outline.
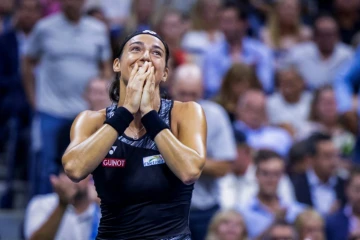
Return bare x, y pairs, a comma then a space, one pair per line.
185, 110
92, 118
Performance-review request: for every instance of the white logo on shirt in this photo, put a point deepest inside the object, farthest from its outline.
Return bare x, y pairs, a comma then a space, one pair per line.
112, 150
153, 160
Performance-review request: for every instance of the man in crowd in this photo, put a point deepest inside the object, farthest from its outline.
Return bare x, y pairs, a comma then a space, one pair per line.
68, 59
221, 150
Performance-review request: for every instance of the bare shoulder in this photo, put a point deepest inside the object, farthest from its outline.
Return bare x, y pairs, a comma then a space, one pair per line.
89, 121
187, 111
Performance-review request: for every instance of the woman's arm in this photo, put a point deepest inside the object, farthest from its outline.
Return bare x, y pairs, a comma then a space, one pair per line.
186, 154
90, 142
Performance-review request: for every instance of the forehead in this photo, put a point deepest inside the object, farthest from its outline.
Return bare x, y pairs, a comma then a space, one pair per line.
147, 40
273, 163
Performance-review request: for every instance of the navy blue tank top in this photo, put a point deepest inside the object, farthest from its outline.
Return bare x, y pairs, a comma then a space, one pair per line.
141, 198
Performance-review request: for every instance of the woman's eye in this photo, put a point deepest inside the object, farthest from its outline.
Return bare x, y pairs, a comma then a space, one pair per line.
136, 49
158, 53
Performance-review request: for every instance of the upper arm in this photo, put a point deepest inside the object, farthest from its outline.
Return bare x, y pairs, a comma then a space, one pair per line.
84, 125
191, 125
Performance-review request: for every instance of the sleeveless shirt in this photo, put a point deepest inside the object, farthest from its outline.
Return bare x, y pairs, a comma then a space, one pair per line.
141, 198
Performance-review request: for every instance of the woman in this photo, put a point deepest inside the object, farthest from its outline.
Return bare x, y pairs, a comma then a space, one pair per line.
227, 225
144, 153
325, 118
238, 79
310, 225
284, 29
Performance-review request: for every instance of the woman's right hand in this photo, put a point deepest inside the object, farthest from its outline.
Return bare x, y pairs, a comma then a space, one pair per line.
135, 86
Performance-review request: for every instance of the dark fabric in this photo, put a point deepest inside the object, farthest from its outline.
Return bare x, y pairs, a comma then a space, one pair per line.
303, 192
337, 226
141, 198
153, 124
199, 222
120, 120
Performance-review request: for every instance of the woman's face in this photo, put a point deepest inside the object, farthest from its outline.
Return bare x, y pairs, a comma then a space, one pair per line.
210, 10
230, 229
238, 88
326, 105
288, 11
313, 229
172, 27
140, 49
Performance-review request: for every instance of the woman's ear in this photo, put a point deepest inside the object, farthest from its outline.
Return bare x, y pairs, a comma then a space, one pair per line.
116, 65
166, 74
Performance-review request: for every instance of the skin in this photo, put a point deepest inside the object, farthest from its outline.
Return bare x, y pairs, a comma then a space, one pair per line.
142, 66
188, 86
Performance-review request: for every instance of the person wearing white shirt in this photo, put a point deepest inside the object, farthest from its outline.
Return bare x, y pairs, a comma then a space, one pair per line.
267, 206
240, 186
70, 213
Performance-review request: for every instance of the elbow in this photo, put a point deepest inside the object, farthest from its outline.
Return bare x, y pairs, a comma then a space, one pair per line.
73, 172
191, 176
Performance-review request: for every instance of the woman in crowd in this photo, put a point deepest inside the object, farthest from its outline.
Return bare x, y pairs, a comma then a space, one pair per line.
239, 78
227, 225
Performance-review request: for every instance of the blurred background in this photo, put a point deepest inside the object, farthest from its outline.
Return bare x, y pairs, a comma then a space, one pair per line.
278, 80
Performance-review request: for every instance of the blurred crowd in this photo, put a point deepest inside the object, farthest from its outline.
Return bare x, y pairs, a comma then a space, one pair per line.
278, 81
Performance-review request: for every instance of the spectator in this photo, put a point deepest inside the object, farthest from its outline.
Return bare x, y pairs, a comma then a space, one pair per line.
345, 224
239, 186
299, 160
96, 94
267, 206
204, 31
227, 225
221, 149
238, 79
141, 17
320, 187
319, 61
281, 230
310, 225
325, 118
51, 6
15, 117
68, 60
251, 119
236, 47
284, 28
347, 15
290, 105
71, 212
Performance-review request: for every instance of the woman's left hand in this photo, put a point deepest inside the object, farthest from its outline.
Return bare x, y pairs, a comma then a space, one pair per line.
148, 94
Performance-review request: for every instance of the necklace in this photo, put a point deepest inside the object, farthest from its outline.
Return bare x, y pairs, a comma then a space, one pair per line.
136, 134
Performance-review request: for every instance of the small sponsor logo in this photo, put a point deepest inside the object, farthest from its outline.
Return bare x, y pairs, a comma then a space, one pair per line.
113, 162
112, 150
153, 160
149, 31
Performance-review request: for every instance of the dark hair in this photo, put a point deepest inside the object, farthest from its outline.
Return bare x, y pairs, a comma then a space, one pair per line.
241, 14
314, 140
297, 153
114, 89
264, 155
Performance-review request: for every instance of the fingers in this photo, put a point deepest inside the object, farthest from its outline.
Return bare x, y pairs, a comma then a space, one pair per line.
150, 80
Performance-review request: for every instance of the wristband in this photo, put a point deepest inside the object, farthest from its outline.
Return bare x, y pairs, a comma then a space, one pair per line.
120, 120
153, 124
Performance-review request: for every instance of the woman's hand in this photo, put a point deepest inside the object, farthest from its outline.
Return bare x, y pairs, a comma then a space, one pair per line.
148, 94
134, 89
